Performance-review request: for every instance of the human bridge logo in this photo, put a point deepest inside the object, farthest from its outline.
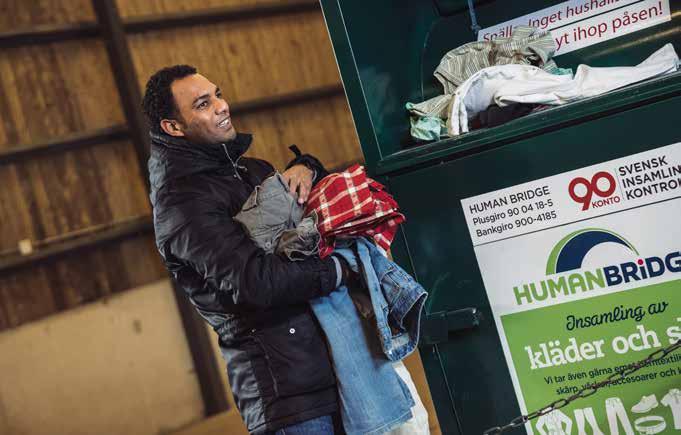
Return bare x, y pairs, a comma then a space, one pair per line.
568, 255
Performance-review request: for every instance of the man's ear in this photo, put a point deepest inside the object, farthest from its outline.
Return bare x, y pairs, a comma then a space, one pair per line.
172, 127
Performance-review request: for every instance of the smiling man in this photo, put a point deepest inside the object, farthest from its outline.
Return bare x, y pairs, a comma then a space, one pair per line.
277, 361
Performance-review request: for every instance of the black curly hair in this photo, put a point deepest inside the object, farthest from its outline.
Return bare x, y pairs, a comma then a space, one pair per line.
158, 102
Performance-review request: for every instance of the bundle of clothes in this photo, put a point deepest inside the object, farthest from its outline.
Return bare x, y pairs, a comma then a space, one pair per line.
488, 83
370, 326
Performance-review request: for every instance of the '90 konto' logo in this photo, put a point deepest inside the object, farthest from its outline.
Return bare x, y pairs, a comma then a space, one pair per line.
602, 184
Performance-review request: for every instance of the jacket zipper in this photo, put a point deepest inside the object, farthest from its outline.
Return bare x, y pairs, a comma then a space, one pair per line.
234, 164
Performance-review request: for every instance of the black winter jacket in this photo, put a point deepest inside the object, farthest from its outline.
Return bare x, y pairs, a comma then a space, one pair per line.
277, 361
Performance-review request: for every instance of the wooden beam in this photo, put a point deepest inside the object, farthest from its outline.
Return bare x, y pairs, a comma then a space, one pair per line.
125, 77
151, 23
275, 101
44, 34
133, 228
18, 153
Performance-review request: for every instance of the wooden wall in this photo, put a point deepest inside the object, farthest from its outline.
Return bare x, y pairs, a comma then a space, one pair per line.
67, 87
48, 91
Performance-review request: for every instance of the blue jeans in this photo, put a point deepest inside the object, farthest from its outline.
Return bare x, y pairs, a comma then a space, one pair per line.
373, 398
317, 426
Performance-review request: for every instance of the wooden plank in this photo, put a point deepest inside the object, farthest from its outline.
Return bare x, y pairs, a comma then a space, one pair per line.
47, 33
203, 16
64, 143
135, 228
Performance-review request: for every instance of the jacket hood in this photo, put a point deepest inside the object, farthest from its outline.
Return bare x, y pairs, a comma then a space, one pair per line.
171, 157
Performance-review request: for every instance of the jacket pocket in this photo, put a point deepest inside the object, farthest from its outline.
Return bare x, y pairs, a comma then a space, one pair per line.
297, 357
247, 371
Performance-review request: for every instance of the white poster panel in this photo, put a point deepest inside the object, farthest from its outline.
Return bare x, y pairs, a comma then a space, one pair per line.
596, 286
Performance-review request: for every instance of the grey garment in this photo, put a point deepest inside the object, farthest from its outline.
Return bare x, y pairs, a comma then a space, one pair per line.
271, 212
302, 241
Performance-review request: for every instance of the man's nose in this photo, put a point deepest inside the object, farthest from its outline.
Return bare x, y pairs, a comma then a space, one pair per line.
222, 106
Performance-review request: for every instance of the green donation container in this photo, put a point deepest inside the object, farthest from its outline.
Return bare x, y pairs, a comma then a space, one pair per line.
549, 245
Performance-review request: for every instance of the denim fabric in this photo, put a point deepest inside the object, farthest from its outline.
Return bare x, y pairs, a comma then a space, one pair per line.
317, 426
373, 397
397, 298
270, 212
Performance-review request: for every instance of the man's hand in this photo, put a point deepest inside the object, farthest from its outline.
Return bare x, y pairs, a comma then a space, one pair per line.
299, 179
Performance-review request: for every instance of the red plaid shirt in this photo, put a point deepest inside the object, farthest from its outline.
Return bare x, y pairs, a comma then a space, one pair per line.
352, 204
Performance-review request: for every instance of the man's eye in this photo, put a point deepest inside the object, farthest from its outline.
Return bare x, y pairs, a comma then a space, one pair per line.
202, 105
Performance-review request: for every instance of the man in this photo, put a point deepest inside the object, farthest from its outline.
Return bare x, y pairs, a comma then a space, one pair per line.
277, 361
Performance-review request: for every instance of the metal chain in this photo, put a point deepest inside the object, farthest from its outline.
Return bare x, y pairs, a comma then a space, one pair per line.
588, 390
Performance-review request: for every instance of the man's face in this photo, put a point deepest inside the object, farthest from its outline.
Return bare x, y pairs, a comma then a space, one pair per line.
204, 114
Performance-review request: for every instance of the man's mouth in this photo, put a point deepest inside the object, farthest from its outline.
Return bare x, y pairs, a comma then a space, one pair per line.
225, 123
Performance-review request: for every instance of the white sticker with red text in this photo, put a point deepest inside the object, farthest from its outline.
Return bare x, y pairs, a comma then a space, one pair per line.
576, 24
609, 187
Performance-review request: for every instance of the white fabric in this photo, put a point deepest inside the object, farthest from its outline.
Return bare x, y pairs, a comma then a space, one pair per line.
587, 414
615, 411
506, 84
673, 400
418, 423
